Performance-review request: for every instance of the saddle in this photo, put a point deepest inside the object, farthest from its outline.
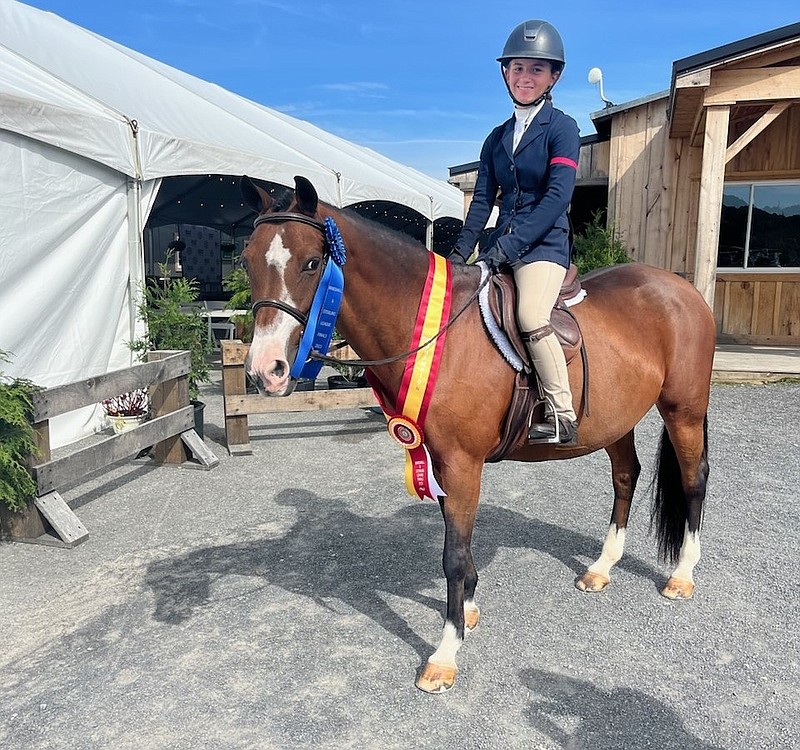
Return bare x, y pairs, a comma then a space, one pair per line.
527, 395
503, 305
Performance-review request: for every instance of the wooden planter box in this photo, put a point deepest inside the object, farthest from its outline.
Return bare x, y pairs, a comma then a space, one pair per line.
24, 525
169, 432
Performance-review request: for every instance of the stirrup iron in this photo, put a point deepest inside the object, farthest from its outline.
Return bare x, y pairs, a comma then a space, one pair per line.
554, 439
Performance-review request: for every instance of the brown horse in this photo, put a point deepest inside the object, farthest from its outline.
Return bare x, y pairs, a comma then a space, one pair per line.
649, 340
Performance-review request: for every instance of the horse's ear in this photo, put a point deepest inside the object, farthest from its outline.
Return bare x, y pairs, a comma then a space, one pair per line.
257, 198
306, 196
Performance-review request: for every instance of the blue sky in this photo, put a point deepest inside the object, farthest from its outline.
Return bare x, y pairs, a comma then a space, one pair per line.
417, 81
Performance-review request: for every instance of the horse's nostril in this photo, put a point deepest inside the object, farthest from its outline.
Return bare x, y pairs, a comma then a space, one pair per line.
279, 369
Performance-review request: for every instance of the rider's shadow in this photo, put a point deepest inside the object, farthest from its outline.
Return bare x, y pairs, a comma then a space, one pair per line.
579, 715
332, 553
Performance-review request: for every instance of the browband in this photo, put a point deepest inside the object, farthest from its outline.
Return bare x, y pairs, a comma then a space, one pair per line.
288, 216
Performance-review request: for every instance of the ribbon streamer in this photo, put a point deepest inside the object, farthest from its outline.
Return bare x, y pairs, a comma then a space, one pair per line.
419, 381
324, 308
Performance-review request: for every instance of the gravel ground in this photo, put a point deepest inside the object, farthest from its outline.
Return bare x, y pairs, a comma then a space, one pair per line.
287, 599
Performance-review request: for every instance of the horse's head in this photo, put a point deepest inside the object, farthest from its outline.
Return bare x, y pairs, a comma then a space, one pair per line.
284, 261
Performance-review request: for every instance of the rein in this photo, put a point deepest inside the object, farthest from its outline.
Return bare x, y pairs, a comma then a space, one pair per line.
302, 318
404, 355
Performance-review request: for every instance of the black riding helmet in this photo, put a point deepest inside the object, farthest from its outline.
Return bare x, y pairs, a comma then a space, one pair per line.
533, 39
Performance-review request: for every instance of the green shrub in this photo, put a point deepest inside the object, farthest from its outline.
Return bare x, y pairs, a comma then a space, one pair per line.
598, 246
238, 284
173, 323
17, 440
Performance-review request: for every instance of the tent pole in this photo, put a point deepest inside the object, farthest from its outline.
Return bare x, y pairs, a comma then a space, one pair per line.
135, 229
135, 249
429, 228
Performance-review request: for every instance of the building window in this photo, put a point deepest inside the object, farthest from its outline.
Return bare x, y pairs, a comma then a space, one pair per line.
760, 226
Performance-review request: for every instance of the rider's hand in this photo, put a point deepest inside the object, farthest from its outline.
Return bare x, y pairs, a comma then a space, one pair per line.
456, 258
494, 257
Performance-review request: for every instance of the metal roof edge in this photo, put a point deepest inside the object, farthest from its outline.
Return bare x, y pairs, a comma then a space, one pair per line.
608, 112
734, 49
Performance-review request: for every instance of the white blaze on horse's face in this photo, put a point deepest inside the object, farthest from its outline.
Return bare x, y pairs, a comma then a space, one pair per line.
267, 363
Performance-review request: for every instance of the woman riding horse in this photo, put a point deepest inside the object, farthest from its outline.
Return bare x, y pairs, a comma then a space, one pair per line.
531, 159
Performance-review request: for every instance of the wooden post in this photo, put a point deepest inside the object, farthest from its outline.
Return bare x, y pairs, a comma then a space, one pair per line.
709, 209
165, 398
237, 431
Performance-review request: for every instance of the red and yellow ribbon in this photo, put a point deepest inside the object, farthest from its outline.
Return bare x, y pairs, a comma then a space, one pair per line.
419, 380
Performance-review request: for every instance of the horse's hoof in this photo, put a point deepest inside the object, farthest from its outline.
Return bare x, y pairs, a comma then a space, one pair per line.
678, 588
436, 678
592, 582
471, 617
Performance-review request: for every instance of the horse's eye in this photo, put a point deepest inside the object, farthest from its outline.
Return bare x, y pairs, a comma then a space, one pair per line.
312, 264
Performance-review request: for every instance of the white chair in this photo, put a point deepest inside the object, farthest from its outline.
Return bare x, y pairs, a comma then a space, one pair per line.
221, 328
221, 331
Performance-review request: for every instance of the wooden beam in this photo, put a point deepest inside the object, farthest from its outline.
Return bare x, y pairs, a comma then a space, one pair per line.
770, 56
346, 398
697, 129
753, 84
60, 516
60, 399
167, 397
759, 126
202, 454
712, 178
55, 473
234, 383
697, 78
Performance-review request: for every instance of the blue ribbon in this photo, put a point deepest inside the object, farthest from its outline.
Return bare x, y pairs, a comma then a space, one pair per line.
324, 309
335, 242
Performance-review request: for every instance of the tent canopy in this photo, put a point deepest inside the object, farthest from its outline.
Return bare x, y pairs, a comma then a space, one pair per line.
95, 140
69, 87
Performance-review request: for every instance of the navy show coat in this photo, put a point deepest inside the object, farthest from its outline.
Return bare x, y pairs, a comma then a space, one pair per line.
535, 184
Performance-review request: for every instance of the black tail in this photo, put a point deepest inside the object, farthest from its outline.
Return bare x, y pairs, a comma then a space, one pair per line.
670, 509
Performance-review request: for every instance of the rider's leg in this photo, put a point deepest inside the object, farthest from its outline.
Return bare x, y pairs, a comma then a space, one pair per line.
538, 285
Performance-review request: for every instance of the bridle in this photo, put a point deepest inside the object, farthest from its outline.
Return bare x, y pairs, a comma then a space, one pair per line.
283, 216
277, 218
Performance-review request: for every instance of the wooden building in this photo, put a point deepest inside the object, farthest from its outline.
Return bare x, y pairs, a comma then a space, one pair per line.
704, 179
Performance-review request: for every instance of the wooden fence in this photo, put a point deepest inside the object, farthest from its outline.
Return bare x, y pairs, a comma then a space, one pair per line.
169, 432
238, 403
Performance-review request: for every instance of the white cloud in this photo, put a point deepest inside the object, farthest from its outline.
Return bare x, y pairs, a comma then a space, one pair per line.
361, 88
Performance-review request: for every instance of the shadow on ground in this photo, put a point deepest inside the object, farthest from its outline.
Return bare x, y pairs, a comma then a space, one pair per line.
331, 552
579, 715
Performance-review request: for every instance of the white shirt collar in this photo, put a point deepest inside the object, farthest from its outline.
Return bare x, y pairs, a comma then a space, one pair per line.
523, 117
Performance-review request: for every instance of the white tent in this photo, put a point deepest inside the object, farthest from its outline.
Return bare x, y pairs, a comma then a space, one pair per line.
87, 130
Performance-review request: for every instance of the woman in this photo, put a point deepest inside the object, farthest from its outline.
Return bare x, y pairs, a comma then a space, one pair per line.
531, 159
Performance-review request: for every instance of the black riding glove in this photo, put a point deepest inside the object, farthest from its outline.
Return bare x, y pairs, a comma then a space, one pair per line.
456, 258
494, 257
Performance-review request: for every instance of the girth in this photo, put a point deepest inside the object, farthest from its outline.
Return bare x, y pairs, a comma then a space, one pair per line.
526, 396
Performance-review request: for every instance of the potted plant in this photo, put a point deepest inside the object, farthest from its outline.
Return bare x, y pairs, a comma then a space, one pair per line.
17, 440
174, 321
128, 410
237, 283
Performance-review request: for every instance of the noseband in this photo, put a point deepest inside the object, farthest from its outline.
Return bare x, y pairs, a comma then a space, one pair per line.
278, 218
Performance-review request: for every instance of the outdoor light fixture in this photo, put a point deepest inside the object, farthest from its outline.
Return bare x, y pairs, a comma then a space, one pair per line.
596, 76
